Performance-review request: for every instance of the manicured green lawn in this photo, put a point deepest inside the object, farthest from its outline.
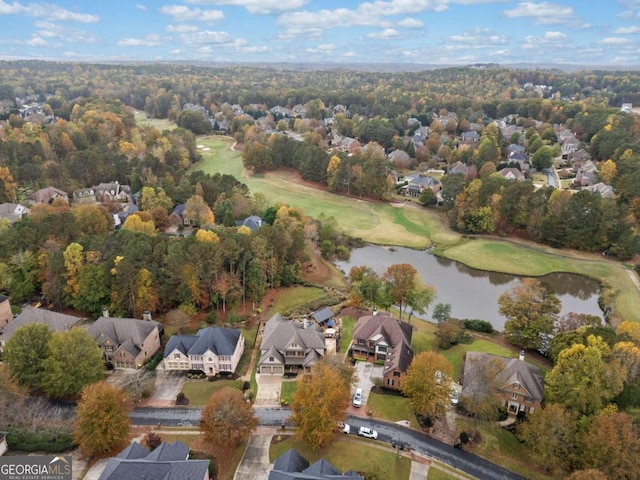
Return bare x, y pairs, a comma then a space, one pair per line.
391, 407
436, 473
159, 123
348, 324
423, 336
289, 387
502, 447
351, 454
199, 391
292, 297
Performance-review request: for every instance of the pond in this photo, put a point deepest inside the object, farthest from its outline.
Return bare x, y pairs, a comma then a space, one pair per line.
474, 293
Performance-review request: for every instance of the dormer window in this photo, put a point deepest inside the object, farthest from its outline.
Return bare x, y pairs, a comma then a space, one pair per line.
516, 386
294, 345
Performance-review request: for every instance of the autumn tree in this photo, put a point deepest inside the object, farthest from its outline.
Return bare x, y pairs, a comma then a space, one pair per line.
611, 444
8, 186
531, 310
420, 298
334, 180
608, 171
197, 212
398, 282
582, 380
145, 296
151, 198
135, 223
441, 312
227, 419
319, 404
550, 432
487, 373
102, 418
427, 384
25, 353
448, 332
74, 361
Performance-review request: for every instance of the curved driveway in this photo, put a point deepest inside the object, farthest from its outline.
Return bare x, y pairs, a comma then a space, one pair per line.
445, 453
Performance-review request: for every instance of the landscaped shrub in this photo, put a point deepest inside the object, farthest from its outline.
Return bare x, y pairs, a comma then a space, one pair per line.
154, 361
41, 441
152, 440
212, 317
181, 399
464, 437
478, 325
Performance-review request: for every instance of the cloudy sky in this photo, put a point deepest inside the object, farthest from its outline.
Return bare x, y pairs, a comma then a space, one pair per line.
595, 32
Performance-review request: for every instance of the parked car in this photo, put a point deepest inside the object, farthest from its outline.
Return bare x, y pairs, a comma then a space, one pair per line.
368, 433
357, 398
454, 396
344, 427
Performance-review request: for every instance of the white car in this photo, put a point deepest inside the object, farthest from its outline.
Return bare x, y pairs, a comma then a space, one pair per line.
357, 398
344, 427
454, 396
367, 432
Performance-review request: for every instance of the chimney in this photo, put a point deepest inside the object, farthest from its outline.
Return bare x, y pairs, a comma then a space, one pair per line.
146, 315
305, 322
105, 312
521, 357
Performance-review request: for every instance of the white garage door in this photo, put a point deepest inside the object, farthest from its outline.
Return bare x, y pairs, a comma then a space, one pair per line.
271, 370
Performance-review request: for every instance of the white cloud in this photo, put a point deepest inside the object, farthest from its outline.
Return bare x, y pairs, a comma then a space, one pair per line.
321, 49
142, 7
150, 40
477, 38
554, 36
256, 6
385, 34
536, 41
614, 41
37, 41
253, 49
293, 33
410, 23
627, 30
72, 35
182, 13
49, 11
181, 28
349, 54
205, 37
542, 13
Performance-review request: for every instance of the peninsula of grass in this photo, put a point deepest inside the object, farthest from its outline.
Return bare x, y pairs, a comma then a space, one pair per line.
351, 454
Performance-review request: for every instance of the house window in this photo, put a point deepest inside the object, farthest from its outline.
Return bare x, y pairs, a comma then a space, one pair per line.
294, 345
390, 382
514, 396
209, 359
361, 341
176, 355
516, 386
271, 359
382, 349
528, 399
109, 348
396, 374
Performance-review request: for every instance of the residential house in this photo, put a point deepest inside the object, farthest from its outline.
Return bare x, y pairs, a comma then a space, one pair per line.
417, 183
511, 174
626, 108
5, 311
57, 322
458, 168
382, 338
470, 137
13, 211
167, 461
212, 350
126, 342
289, 346
84, 195
113, 191
587, 174
293, 466
579, 156
605, 191
521, 384
513, 148
412, 121
177, 215
299, 111
47, 195
569, 146
3, 443
253, 222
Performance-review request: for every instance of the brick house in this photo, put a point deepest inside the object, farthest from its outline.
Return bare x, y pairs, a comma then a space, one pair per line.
382, 338
126, 342
5, 311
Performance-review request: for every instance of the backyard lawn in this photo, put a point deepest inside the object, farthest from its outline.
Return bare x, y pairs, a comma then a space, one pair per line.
289, 388
348, 324
351, 454
289, 298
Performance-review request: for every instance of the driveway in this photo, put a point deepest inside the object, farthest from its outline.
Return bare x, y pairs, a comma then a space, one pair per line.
367, 374
168, 385
269, 387
255, 461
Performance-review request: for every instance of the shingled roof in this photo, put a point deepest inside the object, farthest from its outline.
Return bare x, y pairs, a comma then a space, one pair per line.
293, 466
57, 322
396, 334
280, 333
219, 340
169, 461
127, 332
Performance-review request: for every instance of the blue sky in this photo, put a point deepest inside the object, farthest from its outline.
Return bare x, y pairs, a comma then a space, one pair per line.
441, 32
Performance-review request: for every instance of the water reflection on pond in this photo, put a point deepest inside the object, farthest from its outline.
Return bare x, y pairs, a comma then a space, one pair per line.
474, 293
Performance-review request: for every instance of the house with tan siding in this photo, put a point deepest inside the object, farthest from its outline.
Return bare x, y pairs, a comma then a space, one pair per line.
5, 311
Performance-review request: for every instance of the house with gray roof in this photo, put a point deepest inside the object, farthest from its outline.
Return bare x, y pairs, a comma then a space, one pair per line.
417, 183
47, 195
324, 317
13, 211
252, 222
293, 466
126, 342
511, 173
521, 383
382, 338
57, 322
168, 461
212, 350
605, 191
289, 346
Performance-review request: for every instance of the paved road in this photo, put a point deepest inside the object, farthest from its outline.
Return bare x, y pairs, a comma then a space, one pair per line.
460, 459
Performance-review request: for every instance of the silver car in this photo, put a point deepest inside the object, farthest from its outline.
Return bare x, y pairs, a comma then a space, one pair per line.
367, 432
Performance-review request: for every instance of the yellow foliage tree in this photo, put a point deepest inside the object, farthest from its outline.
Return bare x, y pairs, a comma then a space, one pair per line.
608, 171
209, 236
136, 224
